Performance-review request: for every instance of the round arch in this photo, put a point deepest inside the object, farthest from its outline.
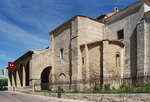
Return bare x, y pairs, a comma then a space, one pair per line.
62, 78
117, 57
45, 77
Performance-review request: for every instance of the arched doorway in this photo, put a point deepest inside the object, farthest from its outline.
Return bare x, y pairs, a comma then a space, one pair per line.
27, 74
45, 78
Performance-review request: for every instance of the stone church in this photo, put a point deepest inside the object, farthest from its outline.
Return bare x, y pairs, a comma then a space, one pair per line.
114, 44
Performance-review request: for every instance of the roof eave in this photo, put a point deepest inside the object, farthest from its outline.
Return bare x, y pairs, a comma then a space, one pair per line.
127, 8
24, 55
69, 21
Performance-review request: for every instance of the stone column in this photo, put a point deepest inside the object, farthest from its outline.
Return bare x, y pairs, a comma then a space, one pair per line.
52, 60
9, 81
24, 75
13, 81
87, 61
30, 72
122, 61
18, 82
9, 85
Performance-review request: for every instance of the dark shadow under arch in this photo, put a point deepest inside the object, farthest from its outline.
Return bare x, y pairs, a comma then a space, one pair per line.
45, 78
20, 72
27, 71
10, 77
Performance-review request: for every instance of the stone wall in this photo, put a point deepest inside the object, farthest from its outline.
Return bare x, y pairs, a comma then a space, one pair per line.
95, 60
40, 60
147, 39
100, 97
89, 30
141, 48
147, 42
62, 42
110, 66
126, 20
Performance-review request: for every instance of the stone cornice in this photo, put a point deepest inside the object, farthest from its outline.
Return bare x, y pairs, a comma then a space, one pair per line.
70, 20
117, 42
127, 9
25, 55
147, 13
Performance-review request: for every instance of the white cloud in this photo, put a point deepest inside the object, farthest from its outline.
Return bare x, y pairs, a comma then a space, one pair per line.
6, 58
18, 35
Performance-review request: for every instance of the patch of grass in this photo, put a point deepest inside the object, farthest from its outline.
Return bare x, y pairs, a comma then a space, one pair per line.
53, 91
132, 89
42, 91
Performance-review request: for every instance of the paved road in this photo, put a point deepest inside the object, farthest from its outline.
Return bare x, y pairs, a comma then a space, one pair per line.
6, 96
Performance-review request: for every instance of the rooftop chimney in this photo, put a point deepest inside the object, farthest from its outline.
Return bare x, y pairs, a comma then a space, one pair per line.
115, 9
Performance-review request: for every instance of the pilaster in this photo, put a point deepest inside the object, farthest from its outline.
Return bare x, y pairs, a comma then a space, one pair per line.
141, 60
53, 59
18, 83
105, 44
87, 61
24, 75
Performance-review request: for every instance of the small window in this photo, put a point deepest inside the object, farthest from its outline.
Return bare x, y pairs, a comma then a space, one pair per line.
83, 61
120, 34
61, 54
117, 60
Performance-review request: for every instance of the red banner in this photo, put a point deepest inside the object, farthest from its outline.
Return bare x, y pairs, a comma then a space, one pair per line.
11, 65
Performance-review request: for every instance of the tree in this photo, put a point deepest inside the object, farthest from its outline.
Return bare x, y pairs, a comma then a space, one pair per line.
3, 82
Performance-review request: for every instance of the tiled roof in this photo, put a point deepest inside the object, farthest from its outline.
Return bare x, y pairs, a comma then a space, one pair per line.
3, 78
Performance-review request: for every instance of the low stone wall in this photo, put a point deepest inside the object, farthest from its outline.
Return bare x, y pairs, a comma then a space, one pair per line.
100, 97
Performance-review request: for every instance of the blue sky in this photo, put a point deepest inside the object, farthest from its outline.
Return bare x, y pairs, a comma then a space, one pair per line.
25, 24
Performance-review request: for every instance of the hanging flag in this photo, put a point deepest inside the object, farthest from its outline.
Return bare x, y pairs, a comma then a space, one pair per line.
11, 65
3, 71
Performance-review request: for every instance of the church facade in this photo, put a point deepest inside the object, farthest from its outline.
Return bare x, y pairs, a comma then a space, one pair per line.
82, 48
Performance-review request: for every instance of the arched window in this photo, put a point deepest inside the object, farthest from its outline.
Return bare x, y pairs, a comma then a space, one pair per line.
83, 60
117, 60
61, 54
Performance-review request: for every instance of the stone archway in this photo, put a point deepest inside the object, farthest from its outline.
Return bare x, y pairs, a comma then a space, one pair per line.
45, 78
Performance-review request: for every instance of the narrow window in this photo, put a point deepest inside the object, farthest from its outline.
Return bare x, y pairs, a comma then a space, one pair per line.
120, 34
61, 54
117, 60
83, 60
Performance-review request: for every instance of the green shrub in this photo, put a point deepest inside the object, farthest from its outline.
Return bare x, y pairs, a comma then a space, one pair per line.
123, 85
137, 84
96, 88
141, 84
75, 87
62, 90
107, 87
113, 88
50, 88
3, 82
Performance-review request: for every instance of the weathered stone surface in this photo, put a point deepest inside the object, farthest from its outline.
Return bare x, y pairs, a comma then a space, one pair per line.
84, 48
100, 97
